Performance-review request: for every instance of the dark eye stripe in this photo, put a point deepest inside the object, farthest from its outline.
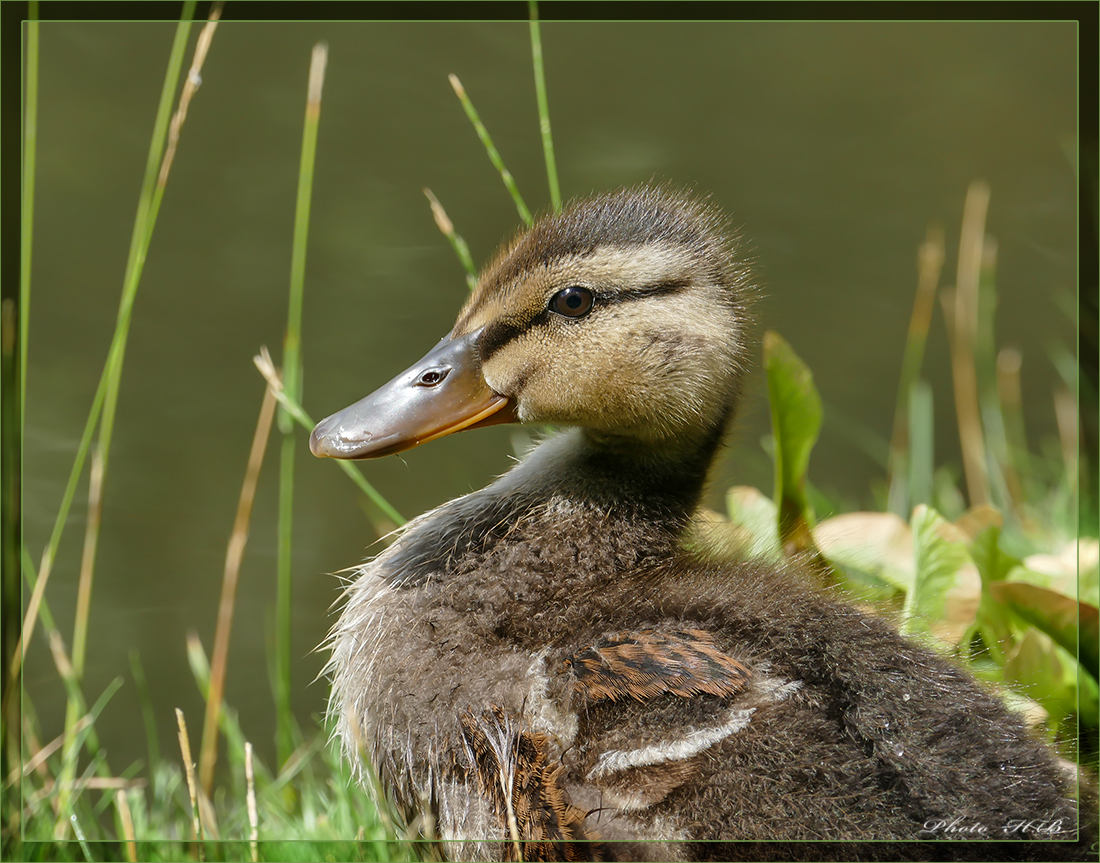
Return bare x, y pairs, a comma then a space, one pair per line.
670, 286
496, 335
499, 333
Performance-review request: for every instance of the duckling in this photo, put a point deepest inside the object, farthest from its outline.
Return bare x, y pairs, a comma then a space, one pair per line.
544, 670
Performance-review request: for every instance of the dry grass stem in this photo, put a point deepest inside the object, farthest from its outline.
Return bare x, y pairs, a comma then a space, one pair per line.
39, 758
230, 578
31, 617
266, 367
208, 817
104, 783
446, 227
87, 561
192, 787
60, 658
929, 266
190, 87
317, 62
253, 819
127, 824
963, 328
1065, 411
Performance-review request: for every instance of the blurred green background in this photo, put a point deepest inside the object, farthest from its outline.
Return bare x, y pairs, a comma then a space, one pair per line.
833, 145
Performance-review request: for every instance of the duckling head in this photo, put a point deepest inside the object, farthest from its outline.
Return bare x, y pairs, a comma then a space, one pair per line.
625, 314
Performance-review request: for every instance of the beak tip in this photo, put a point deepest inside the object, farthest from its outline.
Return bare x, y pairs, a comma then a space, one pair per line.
317, 442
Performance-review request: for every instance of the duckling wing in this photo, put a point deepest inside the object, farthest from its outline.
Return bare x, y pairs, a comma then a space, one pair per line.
647, 705
647, 663
650, 702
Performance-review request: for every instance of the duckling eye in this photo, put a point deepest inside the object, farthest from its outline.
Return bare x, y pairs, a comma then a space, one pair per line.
573, 302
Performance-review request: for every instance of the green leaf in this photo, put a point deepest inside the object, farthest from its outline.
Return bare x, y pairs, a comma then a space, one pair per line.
1047, 674
937, 559
993, 564
751, 510
878, 545
796, 422
1071, 624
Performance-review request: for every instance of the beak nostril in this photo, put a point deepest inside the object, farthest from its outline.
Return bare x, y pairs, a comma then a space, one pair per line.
432, 377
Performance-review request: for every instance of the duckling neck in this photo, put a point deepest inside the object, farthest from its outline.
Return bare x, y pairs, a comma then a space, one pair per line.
622, 473
625, 488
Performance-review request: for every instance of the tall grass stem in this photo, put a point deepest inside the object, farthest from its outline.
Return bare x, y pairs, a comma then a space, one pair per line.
192, 786
920, 451
14, 397
26, 236
963, 327
127, 820
490, 149
994, 433
112, 371
253, 819
1065, 413
544, 109
11, 604
87, 562
1009, 362
447, 228
50, 552
147, 714
208, 752
929, 266
148, 205
286, 736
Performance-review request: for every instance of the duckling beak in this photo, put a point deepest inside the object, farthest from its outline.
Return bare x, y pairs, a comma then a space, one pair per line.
443, 393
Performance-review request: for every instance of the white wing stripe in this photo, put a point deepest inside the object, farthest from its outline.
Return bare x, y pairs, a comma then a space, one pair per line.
693, 743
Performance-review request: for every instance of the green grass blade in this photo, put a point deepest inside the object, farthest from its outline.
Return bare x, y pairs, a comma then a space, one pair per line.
147, 715
227, 717
87, 729
30, 146
284, 717
921, 456
142, 233
286, 734
139, 243
267, 369
447, 228
491, 150
292, 369
544, 110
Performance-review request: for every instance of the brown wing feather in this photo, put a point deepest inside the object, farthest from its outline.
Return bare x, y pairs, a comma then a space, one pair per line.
648, 662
